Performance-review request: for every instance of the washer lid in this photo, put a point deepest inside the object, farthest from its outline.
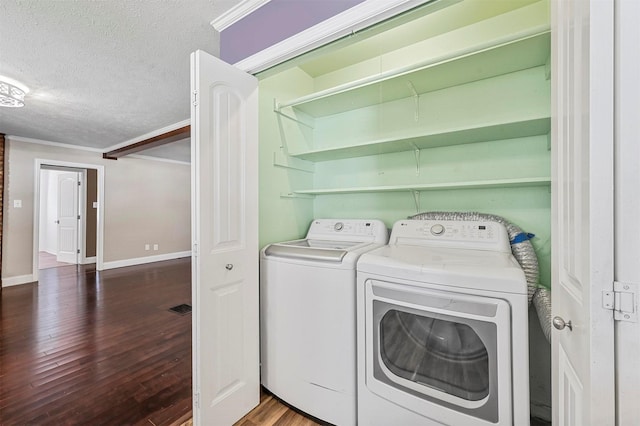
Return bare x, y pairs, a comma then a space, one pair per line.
473, 269
320, 250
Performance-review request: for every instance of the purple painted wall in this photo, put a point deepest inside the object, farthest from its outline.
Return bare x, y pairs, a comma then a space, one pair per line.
274, 22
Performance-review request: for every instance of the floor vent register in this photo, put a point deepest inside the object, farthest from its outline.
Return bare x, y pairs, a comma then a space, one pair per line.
181, 309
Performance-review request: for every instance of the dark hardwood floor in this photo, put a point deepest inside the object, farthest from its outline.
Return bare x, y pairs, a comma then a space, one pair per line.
97, 347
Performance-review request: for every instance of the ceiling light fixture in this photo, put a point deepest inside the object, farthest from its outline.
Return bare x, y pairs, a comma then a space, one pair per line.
12, 93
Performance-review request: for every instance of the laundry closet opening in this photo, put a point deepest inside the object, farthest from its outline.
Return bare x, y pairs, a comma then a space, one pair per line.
448, 111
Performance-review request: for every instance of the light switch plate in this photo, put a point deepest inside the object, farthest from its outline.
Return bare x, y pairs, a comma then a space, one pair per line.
17, 204
95, 204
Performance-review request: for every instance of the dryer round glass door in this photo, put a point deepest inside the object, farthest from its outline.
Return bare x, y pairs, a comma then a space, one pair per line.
438, 352
445, 355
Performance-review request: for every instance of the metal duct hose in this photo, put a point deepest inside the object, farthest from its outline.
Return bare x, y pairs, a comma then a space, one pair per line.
542, 303
522, 250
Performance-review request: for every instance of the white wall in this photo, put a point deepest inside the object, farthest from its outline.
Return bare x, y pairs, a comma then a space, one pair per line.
146, 202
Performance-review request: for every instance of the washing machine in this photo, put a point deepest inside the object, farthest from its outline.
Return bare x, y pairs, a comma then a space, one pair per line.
308, 316
442, 328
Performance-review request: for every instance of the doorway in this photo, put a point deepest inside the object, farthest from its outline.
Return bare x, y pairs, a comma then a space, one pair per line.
68, 224
62, 219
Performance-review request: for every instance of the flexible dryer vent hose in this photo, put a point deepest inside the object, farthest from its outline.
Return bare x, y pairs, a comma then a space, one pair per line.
522, 250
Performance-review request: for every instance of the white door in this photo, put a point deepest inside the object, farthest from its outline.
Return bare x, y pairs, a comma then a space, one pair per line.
67, 221
582, 211
224, 150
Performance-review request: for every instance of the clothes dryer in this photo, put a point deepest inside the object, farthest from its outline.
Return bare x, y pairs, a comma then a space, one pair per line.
308, 320
442, 328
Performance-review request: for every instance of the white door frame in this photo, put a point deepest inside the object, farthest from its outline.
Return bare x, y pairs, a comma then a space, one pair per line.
39, 162
83, 225
627, 204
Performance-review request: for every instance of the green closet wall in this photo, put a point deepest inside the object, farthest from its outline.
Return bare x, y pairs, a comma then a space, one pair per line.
281, 218
458, 121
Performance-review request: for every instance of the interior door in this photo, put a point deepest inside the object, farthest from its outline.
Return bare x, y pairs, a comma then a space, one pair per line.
224, 150
67, 222
582, 211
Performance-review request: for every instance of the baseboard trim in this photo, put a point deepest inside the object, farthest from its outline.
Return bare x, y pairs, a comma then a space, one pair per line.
540, 411
142, 260
17, 280
88, 260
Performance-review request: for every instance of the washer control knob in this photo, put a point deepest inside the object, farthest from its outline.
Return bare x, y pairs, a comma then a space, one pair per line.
338, 226
437, 229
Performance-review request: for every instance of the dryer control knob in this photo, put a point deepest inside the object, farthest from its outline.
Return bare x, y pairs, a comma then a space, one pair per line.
338, 226
437, 229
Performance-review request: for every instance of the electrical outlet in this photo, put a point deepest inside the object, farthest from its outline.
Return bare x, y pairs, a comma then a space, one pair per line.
147, 246
155, 247
17, 204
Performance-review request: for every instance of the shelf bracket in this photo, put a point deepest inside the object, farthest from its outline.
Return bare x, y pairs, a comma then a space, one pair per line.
416, 156
278, 110
296, 195
547, 68
416, 100
416, 199
287, 162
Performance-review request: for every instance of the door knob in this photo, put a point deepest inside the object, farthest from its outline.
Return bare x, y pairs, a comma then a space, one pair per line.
560, 324
57, 222
229, 266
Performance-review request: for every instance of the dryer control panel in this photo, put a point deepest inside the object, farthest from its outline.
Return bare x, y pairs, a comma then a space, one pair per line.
480, 235
364, 230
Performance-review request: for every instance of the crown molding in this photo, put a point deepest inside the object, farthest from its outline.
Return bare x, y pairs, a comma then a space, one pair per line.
236, 13
360, 16
101, 150
49, 143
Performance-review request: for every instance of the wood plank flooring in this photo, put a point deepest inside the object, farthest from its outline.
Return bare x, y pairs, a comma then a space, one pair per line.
85, 347
272, 412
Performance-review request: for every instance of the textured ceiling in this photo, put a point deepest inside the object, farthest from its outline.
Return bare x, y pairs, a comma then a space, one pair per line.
102, 72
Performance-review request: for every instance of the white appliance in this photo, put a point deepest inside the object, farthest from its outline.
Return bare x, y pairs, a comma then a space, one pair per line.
442, 328
308, 316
